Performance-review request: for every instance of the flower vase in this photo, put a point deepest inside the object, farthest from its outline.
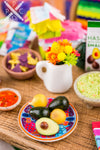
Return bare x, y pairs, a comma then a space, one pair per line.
56, 78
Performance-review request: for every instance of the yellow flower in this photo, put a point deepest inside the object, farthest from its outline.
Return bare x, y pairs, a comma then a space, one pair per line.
68, 49
62, 48
61, 56
55, 48
65, 41
47, 55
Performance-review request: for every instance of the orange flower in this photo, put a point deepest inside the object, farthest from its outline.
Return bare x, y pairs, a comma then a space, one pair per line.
64, 42
52, 57
62, 51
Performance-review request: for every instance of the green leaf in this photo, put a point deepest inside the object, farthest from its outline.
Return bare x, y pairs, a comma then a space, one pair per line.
43, 53
70, 59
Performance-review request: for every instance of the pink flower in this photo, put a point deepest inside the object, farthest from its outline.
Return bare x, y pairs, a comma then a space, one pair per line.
75, 52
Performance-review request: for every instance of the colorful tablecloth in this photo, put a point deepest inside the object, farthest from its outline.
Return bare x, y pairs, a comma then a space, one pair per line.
96, 131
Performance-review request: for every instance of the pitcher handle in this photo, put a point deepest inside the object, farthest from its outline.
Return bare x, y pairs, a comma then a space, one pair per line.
40, 65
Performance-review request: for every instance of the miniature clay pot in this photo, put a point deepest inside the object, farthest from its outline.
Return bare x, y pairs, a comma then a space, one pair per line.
20, 75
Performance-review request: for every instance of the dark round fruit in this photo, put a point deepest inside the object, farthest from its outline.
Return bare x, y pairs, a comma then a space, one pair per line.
44, 125
59, 102
90, 59
95, 65
39, 112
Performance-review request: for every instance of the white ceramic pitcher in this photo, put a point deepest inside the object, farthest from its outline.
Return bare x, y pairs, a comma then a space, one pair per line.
56, 78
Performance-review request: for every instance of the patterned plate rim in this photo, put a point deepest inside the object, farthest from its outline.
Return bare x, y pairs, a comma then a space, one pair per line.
46, 140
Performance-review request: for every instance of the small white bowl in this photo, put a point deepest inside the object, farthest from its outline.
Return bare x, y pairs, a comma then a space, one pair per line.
90, 102
14, 105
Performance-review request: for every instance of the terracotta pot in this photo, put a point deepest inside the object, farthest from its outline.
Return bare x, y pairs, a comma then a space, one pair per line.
20, 75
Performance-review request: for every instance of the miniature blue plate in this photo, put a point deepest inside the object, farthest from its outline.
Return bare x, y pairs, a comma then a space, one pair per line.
27, 124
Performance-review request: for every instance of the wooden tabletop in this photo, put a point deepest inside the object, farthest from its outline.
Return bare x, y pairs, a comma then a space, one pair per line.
81, 139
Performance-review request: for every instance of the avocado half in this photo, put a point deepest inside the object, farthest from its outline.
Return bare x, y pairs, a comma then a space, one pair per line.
50, 127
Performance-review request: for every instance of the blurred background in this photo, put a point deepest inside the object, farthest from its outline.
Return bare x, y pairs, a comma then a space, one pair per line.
74, 10
78, 10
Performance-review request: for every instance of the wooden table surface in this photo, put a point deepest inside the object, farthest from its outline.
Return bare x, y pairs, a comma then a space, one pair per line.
81, 139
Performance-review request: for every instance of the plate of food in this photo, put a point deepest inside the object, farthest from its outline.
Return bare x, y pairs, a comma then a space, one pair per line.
48, 119
9, 99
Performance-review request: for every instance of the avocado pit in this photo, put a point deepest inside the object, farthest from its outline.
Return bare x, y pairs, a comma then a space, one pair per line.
44, 125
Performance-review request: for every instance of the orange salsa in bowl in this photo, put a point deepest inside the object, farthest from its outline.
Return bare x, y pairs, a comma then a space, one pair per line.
9, 98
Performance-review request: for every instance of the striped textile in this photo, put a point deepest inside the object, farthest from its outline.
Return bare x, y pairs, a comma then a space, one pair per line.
96, 131
88, 10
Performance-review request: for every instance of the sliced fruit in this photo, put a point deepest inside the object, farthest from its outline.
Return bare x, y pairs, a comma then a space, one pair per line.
96, 53
39, 112
39, 100
46, 126
59, 102
58, 115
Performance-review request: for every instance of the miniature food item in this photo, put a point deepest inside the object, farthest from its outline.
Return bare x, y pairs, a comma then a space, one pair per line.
15, 56
58, 115
31, 61
8, 98
18, 62
39, 100
81, 48
59, 102
89, 85
39, 112
46, 126
23, 68
16, 68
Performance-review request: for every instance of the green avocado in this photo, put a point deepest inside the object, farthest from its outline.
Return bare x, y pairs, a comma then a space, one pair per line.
46, 126
59, 102
81, 48
38, 112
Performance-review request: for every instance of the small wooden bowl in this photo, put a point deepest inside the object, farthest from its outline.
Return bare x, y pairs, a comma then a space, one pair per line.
20, 75
90, 102
14, 105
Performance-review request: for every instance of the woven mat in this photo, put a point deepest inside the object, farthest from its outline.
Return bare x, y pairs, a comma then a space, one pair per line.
81, 139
